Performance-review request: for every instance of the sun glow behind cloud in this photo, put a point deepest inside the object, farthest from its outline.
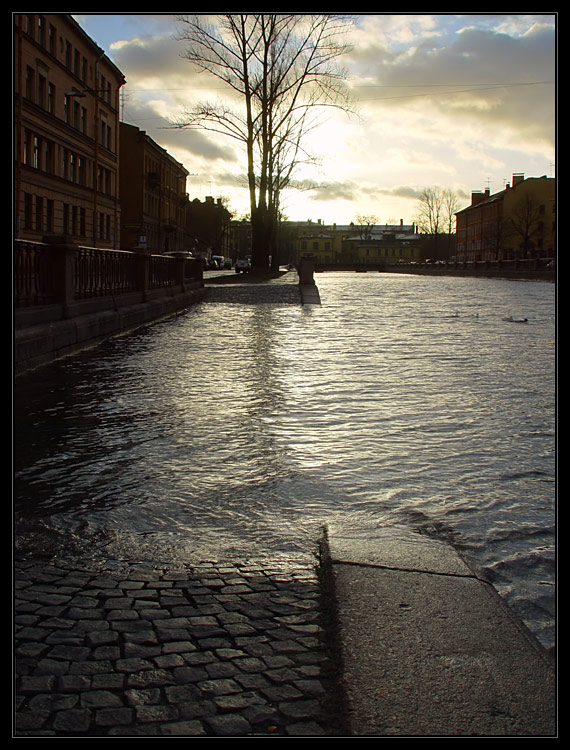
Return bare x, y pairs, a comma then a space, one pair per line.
460, 101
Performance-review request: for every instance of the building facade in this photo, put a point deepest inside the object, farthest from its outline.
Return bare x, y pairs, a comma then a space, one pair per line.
66, 133
348, 244
208, 228
153, 195
515, 223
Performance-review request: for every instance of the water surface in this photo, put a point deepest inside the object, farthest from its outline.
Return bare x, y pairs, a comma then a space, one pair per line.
402, 405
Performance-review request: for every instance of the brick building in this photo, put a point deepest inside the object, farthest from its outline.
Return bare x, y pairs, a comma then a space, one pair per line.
66, 136
517, 222
153, 194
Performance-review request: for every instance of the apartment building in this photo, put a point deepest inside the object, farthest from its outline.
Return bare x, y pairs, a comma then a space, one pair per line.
154, 202
66, 136
517, 222
208, 227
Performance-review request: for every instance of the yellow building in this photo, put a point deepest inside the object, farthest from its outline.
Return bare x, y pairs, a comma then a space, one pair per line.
517, 222
529, 218
320, 247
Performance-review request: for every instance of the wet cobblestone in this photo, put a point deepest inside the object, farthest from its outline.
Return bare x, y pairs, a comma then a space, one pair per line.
207, 649
283, 290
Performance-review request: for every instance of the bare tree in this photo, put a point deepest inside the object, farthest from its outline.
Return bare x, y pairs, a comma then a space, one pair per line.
282, 68
523, 224
431, 211
450, 208
366, 225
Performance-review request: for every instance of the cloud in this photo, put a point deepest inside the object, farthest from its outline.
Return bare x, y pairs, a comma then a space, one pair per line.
336, 190
477, 73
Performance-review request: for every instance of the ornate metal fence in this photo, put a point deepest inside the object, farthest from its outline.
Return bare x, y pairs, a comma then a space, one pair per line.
33, 275
62, 272
99, 273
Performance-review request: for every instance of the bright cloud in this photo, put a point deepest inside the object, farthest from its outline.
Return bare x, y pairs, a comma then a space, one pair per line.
456, 101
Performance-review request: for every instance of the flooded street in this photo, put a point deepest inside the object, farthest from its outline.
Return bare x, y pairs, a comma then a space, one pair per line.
402, 405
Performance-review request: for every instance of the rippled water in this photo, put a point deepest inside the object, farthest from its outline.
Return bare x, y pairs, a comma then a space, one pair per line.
402, 404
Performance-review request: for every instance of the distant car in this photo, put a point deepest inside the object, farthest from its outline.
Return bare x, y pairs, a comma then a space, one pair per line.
228, 263
179, 254
219, 259
213, 264
242, 265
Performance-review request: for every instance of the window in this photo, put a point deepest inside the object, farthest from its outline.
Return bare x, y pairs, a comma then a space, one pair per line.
49, 215
42, 91
41, 30
68, 53
52, 36
29, 25
48, 156
36, 153
27, 211
81, 170
39, 213
51, 99
30, 75
26, 154
65, 227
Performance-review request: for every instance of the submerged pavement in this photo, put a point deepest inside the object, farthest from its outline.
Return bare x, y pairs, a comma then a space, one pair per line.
385, 639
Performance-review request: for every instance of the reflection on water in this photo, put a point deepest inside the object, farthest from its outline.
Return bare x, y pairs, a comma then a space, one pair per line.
401, 404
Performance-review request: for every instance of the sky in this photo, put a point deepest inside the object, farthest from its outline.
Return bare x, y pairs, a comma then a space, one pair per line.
459, 102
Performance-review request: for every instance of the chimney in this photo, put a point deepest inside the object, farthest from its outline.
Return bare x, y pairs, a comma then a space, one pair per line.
518, 177
476, 197
487, 192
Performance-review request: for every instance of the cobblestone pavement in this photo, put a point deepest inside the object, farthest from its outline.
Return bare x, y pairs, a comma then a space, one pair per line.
208, 649
280, 290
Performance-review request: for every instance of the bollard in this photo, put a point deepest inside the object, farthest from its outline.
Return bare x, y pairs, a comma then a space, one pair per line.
306, 270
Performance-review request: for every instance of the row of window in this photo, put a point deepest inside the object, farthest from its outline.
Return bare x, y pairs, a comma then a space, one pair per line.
43, 93
35, 27
48, 216
370, 252
45, 155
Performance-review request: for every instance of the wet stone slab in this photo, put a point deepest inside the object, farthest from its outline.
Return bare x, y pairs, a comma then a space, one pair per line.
277, 292
210, 649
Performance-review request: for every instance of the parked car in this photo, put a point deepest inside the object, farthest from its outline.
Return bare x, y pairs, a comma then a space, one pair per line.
179, 254
228, 263
219, 260
242, 265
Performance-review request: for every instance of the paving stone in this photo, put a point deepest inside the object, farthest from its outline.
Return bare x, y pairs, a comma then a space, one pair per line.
230, 725
99, 699
156, 713
112, 717
74, 720
143, 650
184, 729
